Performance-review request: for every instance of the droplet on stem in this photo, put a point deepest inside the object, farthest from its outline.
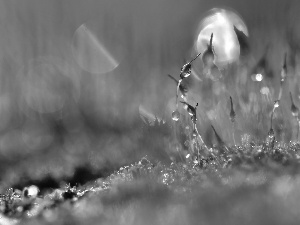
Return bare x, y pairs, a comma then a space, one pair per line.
194, 119
175, 115
276, 104
194, 133
191, 110
186, 69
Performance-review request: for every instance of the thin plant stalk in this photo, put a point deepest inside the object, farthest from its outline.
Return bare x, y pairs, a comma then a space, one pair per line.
232, 118
211, 40
276, 105
177, 93
295, 113
298, 127
181, 158
200, 138
195, 57
283, 77
271, 125
270, 141
187, 68
233, 136
193, 112
280, 91
198, 150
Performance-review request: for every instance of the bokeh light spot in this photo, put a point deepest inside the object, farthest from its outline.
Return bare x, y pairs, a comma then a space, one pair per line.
265, 91
221, 23
95, 48
257, 77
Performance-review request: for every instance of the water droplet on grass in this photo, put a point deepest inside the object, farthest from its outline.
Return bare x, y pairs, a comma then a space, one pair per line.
276, 104
194, 134
175, 115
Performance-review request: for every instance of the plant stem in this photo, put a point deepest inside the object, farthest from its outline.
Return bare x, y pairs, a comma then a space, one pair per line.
298, 127
280, 92
201, 140
233, 131
195, 57
177, 92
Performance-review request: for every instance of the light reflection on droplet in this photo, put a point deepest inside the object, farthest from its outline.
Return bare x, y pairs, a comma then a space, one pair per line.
220, 22
276, 104
33, 191
175, 115
194, 133
171, 107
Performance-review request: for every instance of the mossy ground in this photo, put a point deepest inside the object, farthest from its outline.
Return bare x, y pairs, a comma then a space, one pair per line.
250, 184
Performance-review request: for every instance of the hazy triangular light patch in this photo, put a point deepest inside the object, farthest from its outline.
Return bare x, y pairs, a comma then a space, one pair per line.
90, 54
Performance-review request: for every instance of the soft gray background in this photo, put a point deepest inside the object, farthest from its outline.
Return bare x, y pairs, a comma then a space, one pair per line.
81, 114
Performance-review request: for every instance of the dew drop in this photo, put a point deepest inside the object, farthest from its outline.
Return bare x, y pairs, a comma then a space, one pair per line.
276, 104
194, 134
175, 115
186, 71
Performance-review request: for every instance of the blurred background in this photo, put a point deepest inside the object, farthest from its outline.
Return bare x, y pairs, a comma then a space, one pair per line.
76, 77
